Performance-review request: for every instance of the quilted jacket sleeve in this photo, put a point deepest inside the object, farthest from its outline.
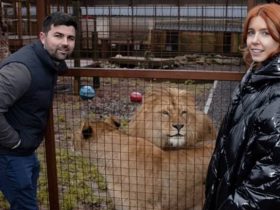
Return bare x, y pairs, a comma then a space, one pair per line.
261, 188
15, 79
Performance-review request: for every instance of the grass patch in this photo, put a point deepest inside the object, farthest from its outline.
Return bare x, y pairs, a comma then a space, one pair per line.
76, 178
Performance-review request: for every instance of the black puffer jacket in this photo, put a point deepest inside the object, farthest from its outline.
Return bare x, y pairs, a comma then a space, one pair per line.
244, 172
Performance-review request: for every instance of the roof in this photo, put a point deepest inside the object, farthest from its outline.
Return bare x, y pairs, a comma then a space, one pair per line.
208, 25
168, 11
154, 11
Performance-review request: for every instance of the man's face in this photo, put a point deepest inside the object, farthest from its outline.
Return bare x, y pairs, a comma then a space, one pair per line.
59, 41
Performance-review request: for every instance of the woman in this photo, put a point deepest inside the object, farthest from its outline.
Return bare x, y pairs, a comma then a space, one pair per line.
244, 172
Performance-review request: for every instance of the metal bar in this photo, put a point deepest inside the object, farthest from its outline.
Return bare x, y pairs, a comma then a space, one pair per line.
41, 13
251, 4
19, 19
51, 163
77, 52
49, 135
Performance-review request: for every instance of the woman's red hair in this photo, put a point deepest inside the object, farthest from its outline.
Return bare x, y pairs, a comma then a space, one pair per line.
271, 15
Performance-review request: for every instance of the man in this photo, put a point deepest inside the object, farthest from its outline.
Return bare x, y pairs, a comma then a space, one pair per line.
27, 80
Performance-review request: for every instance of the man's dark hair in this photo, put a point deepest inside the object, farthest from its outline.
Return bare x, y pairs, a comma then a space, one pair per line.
57, 19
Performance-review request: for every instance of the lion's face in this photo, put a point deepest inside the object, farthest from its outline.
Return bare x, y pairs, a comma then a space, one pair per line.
169, 119
168, 123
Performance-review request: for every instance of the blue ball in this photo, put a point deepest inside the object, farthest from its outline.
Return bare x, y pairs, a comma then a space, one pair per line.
87, 92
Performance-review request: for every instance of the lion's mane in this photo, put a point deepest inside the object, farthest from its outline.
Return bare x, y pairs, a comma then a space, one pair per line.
169, 119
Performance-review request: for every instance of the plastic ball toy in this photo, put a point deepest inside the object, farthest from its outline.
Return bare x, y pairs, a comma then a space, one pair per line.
87, 92
136, 97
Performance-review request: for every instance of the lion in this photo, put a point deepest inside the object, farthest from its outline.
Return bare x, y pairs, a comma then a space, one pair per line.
169, 119
139, 174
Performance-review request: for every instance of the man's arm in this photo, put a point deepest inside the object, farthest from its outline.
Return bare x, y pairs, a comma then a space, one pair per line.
15, 80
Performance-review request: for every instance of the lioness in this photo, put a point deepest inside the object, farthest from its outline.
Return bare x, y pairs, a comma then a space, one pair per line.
169, 119
141, 175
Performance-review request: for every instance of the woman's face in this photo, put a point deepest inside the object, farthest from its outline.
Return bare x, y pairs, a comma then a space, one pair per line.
260, 43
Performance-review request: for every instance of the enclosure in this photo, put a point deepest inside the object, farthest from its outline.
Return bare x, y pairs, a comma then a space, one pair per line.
179, 61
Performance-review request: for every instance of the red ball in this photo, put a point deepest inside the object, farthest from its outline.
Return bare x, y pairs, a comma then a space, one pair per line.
136, 97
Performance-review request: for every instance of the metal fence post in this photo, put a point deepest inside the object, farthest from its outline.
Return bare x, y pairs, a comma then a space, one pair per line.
51, 163
251, 3
41, 7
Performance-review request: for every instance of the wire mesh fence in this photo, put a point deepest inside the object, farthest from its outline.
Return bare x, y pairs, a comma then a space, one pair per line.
139, 142
104, 163
121, 150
